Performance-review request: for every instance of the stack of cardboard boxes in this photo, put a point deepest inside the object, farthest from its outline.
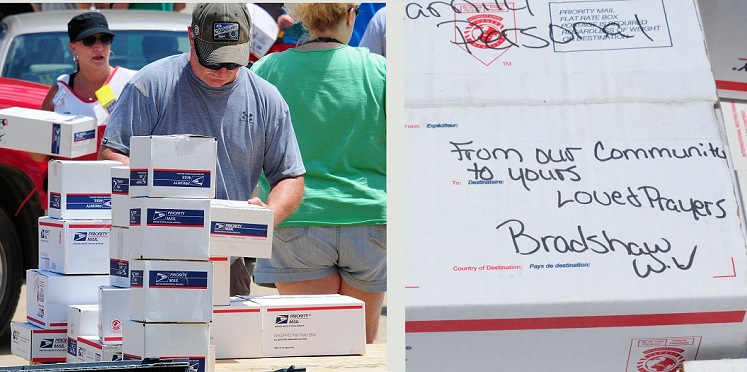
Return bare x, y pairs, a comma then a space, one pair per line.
172, 181
166, 245
73, 263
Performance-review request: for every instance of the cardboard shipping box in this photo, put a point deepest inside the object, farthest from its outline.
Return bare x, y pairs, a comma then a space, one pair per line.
120, 182
236, 330
80, 189
264, 30
91, 349
38, 345
312, 325
157, 340
171, 291
180, 166
169, 229
47, 132
723, 26
119, 257
74, 246
48, 295
114, 309
587, 215
240, 229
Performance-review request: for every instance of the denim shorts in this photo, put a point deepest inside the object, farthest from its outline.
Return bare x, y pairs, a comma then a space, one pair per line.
357, 253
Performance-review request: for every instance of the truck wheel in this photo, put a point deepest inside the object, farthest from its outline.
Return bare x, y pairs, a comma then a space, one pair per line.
11, 276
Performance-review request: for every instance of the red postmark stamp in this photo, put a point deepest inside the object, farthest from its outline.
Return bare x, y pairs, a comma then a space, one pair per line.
484, 31
661, 359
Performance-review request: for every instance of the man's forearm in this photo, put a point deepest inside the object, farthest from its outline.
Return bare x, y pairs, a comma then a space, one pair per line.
108, 153
285, 197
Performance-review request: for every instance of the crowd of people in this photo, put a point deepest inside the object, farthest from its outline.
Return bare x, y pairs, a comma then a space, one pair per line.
301, 132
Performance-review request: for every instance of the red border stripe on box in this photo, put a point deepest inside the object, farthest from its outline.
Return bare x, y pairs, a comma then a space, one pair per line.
603, 321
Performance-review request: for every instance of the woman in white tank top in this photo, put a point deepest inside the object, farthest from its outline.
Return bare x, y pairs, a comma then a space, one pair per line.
76, 93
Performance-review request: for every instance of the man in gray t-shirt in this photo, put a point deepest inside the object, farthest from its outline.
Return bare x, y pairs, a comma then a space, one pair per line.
209, 92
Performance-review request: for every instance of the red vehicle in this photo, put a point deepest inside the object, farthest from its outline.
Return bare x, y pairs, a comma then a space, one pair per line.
23, 199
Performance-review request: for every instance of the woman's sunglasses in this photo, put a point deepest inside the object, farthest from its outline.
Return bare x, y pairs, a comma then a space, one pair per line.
105, 39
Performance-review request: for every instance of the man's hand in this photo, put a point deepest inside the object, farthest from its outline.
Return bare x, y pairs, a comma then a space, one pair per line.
284, 198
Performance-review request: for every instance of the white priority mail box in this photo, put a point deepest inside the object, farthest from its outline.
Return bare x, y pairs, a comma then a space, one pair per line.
114, 309
38, 345
82, 320
240, 229
80, 189
312, 325
169, 228
264, 30
171, 291
723, 25
119, 257
221, 280
90, 349
47, 132
157, 340
74, 246
48, 295
121, 196
236, 328
180, 166
604, 227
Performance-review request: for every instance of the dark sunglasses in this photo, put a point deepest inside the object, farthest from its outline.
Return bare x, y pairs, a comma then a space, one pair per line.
105, 39
357, 9
215, 66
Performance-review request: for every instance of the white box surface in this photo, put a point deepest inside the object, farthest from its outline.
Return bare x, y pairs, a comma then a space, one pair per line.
48, 295
156, 340
80, 189
221, 280
119, 257
236, 330
114, 309
555, 52
181, 166
240, 229
264, 30
171, 291
587, 215
120, 182
82, 320
90, 349
38, 345
312, 325
47, 132
74, 246
169, 228
723, 26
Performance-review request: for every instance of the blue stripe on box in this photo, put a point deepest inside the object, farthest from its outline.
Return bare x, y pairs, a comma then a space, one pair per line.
120, 186
136, 278
119, 268
84, 135
168, 217
181, 178
138, 177
178, 279
238, 229
56, 135
55, 200
88, 201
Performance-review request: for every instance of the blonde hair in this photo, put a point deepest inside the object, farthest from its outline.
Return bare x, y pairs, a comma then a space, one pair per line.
317, 17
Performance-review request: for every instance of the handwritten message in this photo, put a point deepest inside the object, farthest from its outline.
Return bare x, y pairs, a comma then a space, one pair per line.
572, 26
